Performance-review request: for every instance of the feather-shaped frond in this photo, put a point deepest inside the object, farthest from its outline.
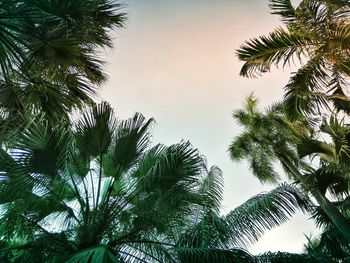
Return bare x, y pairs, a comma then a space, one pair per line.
303, 92
278, 47
283, 8
101, 254
208, 255
211, 189
249, 221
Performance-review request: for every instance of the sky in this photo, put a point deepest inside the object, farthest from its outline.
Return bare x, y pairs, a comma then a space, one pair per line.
175, 61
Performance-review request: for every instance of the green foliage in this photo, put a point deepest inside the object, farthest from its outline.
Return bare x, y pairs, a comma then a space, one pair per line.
265, 136
319, 166
193, 255
49, 56
99, 254
284, 257
264, 212
316, 33
97, 190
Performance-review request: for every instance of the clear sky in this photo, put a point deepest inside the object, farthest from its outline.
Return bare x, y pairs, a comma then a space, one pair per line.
175, 62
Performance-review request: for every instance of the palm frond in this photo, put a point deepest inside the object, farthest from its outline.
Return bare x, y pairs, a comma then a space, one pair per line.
211, 188
303, 92
241, 146
95, 130
261, 164
207, 255
101, 254
249, 221
278, 47
131, 140
283, 8
177, 164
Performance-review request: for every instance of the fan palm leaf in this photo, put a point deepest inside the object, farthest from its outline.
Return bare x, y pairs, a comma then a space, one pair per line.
50, 58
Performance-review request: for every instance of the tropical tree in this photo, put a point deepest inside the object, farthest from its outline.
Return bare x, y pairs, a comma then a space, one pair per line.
330, 243
270, 137
97, 191
316, 34
49, 58
211, 237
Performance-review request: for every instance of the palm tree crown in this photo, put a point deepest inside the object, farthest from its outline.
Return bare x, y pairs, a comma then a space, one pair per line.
49, 58
99, 189
317, 34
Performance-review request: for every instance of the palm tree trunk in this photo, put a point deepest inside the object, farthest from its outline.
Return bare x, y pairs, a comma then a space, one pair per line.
337, 218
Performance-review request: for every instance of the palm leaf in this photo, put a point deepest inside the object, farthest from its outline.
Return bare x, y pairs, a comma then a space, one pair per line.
308, 147
176, 164
132, 138
249, 221
283, 8
279, 47
209, 255
101, 254
241, 146
301, 92
261, 165
95, 130
211, 189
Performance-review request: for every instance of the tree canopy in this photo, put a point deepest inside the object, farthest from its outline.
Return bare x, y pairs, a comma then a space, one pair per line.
307, 133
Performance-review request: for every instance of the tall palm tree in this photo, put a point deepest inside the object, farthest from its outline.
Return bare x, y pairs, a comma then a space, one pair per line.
49, 55
316, 34
271, 137
98, 191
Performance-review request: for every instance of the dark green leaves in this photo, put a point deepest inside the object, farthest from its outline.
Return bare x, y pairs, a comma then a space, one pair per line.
285, 257
284, 8
280, 46
316, 33
49, 55
206, 255
101, 254
263, 212
95, 130
132, 138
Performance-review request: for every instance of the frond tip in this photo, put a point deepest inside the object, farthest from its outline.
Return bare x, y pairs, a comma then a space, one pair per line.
280, 46
265, 211
283, 8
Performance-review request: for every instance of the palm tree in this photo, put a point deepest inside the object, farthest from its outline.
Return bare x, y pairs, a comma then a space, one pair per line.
49, 55
271, 137
97, 190
285, 257
316, 33
329, 243
211, 237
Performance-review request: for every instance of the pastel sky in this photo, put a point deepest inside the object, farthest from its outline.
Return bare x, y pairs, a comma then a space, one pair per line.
175, 61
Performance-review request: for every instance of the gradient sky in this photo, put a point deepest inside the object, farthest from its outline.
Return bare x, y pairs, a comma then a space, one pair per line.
175, 61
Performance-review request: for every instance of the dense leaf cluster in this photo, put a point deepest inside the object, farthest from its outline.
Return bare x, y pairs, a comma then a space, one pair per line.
308, 132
